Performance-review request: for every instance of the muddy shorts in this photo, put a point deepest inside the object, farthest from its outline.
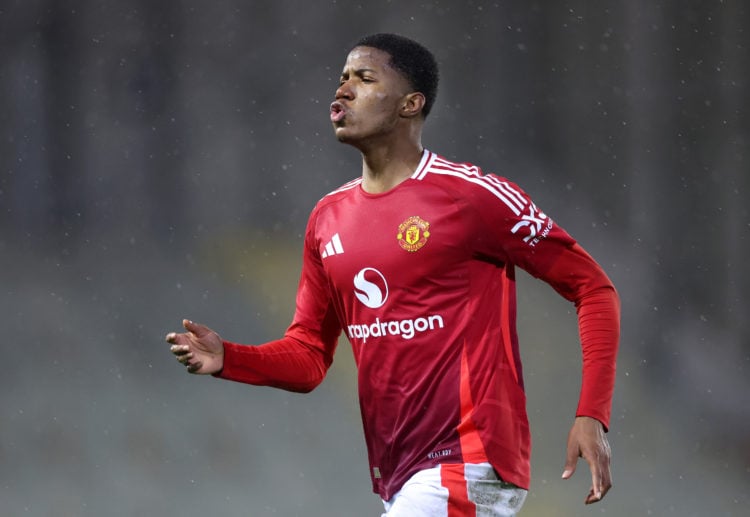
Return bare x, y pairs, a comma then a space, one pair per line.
456, 490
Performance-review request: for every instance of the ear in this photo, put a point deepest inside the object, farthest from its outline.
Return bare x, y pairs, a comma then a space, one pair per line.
412, 104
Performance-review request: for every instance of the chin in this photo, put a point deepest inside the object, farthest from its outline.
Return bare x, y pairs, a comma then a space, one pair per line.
342, 135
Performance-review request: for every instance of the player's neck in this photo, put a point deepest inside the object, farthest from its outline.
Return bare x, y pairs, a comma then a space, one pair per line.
384, 167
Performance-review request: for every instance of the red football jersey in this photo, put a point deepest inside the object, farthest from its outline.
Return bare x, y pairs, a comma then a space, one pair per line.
421, 280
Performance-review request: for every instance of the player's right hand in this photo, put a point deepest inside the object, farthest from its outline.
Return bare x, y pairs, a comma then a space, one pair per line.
200, 349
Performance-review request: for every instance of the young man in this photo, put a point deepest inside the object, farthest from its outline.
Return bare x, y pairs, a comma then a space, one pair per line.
414, 261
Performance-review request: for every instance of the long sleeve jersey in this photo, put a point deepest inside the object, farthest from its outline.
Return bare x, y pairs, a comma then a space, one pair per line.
421, 280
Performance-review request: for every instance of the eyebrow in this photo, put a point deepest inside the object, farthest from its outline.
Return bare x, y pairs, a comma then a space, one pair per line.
359, 71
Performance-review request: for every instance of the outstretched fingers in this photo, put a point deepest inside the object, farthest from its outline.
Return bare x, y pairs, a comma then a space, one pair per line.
199, 348
187, 358
180, 347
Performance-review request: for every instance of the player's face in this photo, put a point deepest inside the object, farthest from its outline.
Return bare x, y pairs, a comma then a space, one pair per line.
369, 97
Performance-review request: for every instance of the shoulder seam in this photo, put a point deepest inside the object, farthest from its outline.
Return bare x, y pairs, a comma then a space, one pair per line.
346, 186
498, 187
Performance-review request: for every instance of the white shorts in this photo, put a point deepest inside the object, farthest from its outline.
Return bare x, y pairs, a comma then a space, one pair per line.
456, 490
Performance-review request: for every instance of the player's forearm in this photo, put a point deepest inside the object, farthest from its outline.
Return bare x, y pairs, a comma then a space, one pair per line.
286, 363
578, 278
599, 329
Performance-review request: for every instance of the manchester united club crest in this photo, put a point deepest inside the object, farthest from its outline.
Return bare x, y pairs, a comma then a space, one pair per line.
413, 233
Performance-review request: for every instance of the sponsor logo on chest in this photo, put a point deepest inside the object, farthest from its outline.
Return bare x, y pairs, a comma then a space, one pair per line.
371, 289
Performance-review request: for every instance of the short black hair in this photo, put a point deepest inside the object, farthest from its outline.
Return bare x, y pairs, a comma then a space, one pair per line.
410, 58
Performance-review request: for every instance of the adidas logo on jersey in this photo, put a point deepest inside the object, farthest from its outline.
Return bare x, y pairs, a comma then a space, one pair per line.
333, 247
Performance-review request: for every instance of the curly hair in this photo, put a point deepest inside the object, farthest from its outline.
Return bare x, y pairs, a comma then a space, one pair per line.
410, 58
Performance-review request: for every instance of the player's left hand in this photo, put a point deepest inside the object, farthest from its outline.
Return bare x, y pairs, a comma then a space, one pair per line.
588, 440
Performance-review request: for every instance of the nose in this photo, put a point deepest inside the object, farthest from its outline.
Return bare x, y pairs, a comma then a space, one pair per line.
344, 91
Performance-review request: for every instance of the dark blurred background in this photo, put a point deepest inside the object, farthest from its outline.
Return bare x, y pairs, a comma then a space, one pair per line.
158, 160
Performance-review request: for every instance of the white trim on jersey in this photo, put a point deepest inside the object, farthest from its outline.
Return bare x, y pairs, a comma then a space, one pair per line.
432, 163
346, 186
424, 164
500, 189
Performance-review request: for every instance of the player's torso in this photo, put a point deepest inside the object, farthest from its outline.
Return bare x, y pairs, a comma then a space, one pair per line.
397, 263
428, 306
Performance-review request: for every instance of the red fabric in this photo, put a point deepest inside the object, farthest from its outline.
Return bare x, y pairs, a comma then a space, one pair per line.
579, 279
285, 363
421, 279
453, 478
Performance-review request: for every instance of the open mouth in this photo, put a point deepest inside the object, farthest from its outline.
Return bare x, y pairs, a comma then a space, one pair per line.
337, 112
